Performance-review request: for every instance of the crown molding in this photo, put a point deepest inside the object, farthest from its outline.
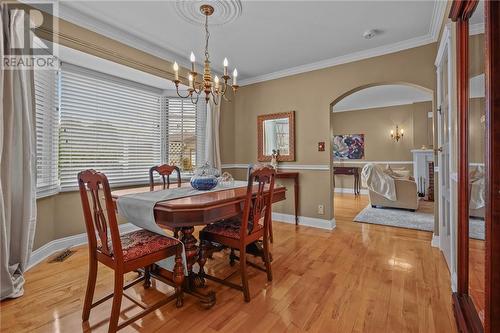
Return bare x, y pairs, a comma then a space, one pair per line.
356, 56
437, 18
111, 30
431, 37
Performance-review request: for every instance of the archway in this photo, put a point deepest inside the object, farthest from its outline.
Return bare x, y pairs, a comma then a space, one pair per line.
378, 147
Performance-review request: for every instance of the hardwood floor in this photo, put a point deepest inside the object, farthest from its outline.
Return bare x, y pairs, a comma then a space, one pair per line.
356, 278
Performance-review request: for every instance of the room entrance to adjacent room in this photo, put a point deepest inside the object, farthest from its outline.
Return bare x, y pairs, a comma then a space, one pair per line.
382, 157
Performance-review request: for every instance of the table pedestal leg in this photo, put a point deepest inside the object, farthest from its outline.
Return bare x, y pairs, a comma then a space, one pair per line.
194, 280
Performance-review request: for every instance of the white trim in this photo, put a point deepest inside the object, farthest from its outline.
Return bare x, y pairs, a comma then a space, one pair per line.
436, 169
435, 240
454, 282
349, 190
422, 151
111, 30
305, 221
431, 37
317, 167
437, 19
374, 162
61, 244
356, 56
445, 39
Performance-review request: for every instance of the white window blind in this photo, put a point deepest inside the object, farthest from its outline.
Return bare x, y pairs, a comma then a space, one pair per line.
185, 132
108, 124
47, 123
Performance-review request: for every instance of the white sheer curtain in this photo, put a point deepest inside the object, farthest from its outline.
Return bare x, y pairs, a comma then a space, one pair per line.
212, 148
17, 160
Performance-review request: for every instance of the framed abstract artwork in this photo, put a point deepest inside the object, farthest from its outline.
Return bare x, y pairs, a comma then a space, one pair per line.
349, 147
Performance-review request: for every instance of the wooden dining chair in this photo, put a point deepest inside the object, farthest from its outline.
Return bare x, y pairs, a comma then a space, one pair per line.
122, 253
251, 226
164, 171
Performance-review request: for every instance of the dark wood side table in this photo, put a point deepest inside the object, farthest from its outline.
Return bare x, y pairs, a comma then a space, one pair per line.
295, 177
354, 171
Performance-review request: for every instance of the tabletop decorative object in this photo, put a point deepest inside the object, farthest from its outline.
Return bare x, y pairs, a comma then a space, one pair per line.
226, 180
274, 158
205, 178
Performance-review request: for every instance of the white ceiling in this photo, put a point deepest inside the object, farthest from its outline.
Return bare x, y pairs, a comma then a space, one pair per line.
382, 96
270, 39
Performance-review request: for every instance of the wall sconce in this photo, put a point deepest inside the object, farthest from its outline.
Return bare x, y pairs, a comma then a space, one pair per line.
398, 134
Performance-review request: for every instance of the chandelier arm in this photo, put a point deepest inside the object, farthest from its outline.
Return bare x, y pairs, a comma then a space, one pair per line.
214, 98
196, 100
178, 94
224, 89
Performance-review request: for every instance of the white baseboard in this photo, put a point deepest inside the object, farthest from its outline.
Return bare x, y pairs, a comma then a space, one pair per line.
454, 282
435, 241
349, 190
60, 244
305, 221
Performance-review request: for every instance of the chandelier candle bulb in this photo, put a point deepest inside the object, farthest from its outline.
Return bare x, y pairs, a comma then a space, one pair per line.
216, 79
193, 59
176, 71
226, 63
235, 75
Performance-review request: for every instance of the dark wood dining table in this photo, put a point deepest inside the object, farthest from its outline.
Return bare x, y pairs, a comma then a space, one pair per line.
197, 210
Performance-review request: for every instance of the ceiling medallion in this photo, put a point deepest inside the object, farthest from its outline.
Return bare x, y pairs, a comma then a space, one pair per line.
225, 11
215, 88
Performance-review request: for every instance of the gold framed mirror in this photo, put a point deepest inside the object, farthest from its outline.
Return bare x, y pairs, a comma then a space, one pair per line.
276, 132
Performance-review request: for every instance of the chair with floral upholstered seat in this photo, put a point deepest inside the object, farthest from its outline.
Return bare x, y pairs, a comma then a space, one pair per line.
122, 253
250, 227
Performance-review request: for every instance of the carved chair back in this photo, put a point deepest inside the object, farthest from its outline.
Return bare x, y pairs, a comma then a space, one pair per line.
93, 186
164, 170
258, 208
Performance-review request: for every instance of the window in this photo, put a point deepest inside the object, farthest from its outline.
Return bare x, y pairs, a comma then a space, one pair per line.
108, 124
86, 119
47, 124
185, 132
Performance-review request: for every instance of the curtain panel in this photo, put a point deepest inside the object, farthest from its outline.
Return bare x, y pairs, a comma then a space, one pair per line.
17, 161
212, 148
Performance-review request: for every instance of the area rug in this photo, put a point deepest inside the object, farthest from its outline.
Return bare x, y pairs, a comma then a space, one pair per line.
411, 220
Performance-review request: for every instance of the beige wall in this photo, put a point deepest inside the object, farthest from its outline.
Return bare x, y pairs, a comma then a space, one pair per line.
477, 133
376, 125
310, 95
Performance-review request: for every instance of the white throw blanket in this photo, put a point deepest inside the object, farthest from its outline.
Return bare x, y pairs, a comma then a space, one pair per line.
138, 209
378, 181
477, 194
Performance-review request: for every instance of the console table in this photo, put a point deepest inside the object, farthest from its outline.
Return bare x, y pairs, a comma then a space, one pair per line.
354, 171
295, 177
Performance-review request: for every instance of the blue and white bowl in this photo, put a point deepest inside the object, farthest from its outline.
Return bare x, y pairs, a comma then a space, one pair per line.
203, 183
205, 178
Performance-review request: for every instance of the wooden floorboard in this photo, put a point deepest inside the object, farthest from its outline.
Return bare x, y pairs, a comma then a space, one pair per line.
356, 278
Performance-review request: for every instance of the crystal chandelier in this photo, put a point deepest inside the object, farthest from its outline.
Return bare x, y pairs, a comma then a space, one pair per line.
216, 89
